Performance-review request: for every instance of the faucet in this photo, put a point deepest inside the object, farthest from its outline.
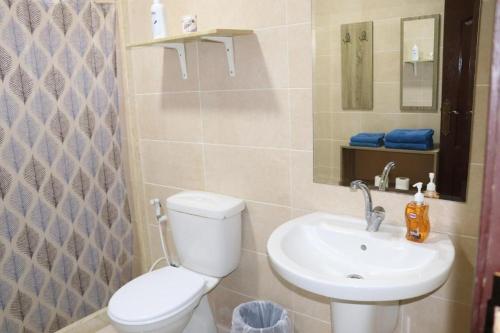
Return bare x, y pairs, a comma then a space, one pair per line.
384, 179
374, 216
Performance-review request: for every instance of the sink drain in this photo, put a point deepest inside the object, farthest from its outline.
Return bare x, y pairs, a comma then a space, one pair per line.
355, 276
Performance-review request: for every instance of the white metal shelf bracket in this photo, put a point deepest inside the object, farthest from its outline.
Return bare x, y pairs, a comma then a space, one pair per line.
181, 52
229, 46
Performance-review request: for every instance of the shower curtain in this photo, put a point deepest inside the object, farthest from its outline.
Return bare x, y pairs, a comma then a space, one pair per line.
65, 225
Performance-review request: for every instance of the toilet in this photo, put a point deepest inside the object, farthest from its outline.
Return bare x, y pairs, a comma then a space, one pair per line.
206, 229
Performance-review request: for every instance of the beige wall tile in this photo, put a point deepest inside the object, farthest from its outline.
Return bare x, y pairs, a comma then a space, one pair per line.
241, 13
173, 164
254, 174
158, 70
259, 58
312, 305
485, 41
386, 68
259, 221
434, 315
250, 118
298, 11
459, 285
387, 35
255, 278
300, 55
384, 97
223, 302
172, 116
301, 119
305, 324
479, 124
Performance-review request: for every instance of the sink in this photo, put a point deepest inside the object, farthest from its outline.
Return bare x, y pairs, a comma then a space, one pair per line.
365, 274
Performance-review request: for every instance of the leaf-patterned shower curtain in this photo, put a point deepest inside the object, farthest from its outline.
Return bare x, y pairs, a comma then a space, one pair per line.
65, 228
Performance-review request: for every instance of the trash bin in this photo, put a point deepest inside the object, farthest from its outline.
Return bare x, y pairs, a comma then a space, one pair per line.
260, 317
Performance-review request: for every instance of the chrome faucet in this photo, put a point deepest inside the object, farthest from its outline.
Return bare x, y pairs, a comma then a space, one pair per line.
374, 216
384, 179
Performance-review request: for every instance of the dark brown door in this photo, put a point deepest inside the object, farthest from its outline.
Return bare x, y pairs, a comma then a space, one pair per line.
461, 20
488, 257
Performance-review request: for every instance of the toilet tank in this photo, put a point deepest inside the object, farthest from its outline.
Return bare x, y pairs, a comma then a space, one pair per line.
206, 229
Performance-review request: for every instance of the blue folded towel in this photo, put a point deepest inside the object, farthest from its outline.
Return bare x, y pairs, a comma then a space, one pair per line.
365, 144
368, 140
412, 146
423, 136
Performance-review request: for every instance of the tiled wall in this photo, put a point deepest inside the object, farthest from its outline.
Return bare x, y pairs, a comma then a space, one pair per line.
251, 137
333, 126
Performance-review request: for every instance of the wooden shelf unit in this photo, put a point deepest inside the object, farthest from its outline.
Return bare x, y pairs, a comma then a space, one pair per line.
177, 43
193, 37
364, 163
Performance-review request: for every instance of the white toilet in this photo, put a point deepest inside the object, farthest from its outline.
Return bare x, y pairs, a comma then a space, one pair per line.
206, 228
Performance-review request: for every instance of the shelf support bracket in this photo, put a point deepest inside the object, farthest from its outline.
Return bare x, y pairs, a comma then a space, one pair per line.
229, 46
181, 52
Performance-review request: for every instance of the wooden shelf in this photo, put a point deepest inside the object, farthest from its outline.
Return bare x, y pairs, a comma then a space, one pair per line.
177, 42
404, 151
365, 163
193, 36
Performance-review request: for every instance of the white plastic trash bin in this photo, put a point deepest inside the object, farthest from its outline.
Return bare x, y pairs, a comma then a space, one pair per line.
260, 317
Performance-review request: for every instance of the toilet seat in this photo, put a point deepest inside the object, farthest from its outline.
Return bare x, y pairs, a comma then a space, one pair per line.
156, 296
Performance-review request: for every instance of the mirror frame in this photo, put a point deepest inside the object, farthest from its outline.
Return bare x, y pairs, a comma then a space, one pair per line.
436, 65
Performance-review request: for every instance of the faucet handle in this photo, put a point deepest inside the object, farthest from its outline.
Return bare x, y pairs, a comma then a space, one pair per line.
376, 218
356, 184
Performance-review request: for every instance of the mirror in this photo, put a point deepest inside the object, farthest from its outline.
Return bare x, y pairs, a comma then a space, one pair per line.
419, 63
378, 67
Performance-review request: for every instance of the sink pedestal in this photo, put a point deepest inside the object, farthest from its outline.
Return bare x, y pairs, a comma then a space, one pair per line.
366, 317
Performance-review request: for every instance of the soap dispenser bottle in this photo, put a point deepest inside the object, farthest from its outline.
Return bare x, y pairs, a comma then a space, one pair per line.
158, 20
430, 191
417, 217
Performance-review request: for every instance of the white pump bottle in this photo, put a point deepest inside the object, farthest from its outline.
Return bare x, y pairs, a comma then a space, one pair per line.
158, 20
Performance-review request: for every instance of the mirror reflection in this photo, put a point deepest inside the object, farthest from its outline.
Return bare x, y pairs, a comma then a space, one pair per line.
419, 63
393, 88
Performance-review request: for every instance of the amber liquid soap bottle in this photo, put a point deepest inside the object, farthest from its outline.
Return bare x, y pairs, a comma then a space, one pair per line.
417, 217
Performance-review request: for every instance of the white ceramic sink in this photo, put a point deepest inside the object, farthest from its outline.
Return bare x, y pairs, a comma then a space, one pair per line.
322, 253
365, 274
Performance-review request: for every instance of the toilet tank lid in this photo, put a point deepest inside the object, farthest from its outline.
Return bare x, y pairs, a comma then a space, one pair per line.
205, 204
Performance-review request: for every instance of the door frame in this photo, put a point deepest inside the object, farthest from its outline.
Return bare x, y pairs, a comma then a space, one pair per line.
488, 260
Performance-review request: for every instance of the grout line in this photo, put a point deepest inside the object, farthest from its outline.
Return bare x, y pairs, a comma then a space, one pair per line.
290, 117
281, 26
221, 91
289, 309
203, 152
449, 300
222, 145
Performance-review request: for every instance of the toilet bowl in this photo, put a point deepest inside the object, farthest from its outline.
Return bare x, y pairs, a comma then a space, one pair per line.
162, 301
206, 229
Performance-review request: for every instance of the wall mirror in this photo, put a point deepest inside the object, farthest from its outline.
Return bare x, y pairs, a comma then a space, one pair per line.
419, 60
419, 63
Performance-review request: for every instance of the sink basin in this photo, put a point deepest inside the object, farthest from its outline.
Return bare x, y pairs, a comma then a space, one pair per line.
363, 272
334, 256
